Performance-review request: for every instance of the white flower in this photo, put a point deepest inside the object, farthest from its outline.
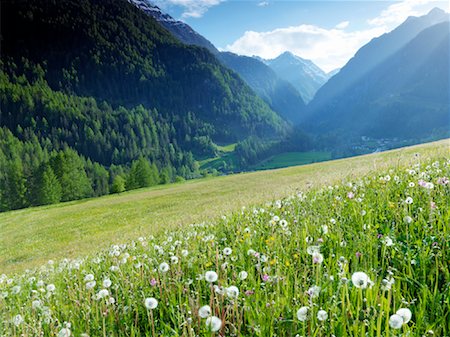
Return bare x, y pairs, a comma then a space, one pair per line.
405, 314
302, 314
243, 275
360, 279
409, 200
322, 315
204, 311
89, 277
36, 304
90, 284
164, 267
174, 260
184, 253
17, 320
111, 300
317, 258
314, 291
151, 303
213, 323
107, 283
388, 241
227, 251
102, 293
233, 291
311, 250
15, 290
64, 332
211, 276
51, 288
395, 321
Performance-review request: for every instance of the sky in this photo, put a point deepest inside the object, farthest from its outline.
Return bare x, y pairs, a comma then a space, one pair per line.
327, 32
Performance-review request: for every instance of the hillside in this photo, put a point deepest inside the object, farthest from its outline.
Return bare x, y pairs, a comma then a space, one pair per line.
105, 80
30, 237
363, 252
398, 80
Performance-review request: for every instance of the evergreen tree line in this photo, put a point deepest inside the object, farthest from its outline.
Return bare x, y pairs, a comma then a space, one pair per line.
31, 175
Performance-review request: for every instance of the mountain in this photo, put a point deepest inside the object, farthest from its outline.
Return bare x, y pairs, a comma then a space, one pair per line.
281, 96
303, 74
404, 95
182, 31
367, 58
92, 90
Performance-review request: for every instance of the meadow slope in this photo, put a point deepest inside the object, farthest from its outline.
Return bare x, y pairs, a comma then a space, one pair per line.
32, 236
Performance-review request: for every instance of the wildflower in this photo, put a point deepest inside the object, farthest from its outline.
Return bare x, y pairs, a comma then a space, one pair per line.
302, 314
17, 320
107, 283
243, 275
204, 311
102, 294
350, 195
64, 332
388, 241
409, 200
174, 260
311, 250
90, 285
88, 278
227, 251
36, 304
151, 303
405, 314
395, 321
314, 291
211, 276
265, 278
360, 279
214, 323
317, 258
15, 290
164, 267
51, 288
153, 282
233, 291
184, 253
322, 315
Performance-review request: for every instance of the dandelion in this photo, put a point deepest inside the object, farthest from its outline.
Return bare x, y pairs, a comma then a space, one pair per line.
102, 294
36, 304
184, 253
211, 276
204, 311
405, 314
107, 283
314, 291
51, 288
164, 267
395, 321
360, 280
322, 315
388, 241
317, 258
302, 314
243, 275
174, 260
88, 278
64, 332
227, 251
409, 200
151, 303
15, 290
17, 320
233, 291
90, 285
213, 323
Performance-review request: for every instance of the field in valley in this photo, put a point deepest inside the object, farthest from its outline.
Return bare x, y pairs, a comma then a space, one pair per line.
354, 247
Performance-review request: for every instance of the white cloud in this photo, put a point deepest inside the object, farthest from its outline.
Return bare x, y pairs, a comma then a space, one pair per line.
263, 3
192, 8
343, 25
328, 48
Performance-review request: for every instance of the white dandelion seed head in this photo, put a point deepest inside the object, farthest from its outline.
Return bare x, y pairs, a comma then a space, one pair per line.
388, 241
64, 332
164, 267
102, 294
174, 260
322, 315
89, 277
15, 290
151, 303
405, 314
211, 276
17, 320
409, 200
311, 250
90, 285
302, 314
360, 280
36, 304
314, 291
317, 258
51, 288
107, 283
243, 275
227, 251
204, 311
184, 253
233, 291
395, 321
213, 323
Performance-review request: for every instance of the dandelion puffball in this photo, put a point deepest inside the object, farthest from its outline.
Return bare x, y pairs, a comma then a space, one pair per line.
214, 323
395, 321
205, 311
302, 314
322, 315
211, 276
233, 292
164, 267
405, 314
243, 275
151, 303
360, 279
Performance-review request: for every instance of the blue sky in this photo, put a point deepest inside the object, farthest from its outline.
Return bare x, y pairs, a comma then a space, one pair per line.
327, 32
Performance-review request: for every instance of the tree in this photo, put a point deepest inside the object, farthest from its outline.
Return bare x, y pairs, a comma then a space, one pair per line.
142, 174
13, 186
118, 185
47, 189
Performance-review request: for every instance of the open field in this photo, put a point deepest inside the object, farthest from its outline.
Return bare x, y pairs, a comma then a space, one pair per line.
292, 159
30, 237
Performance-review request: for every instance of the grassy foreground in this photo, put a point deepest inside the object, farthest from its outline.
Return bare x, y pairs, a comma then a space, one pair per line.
30, 237
365, 257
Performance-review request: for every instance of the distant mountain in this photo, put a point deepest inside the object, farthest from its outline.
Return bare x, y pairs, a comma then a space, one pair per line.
303, 74
281, 96
182, 31
368, 57
404, 95
333, 72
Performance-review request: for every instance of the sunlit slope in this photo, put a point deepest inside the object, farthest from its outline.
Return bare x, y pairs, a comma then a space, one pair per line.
30, 237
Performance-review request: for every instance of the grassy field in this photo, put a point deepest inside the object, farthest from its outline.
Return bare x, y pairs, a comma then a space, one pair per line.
367, 256
32, 236
292, 159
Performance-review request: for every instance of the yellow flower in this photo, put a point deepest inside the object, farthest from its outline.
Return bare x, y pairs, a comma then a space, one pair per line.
208, 264
272, 262
287, 263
